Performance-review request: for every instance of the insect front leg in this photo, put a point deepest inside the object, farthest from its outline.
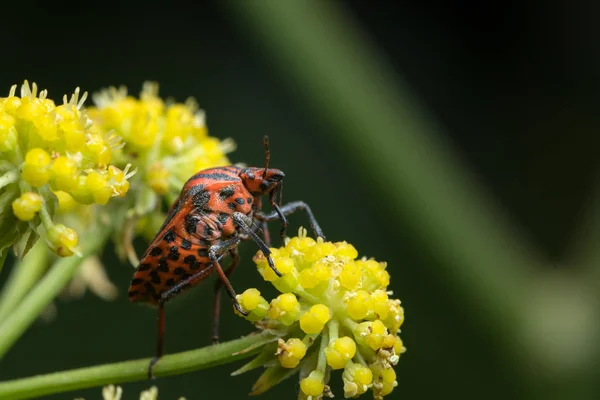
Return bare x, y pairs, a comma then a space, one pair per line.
235, 260
287, 209
245, 224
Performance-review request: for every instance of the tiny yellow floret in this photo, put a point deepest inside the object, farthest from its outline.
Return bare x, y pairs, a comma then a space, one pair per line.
313, 384
64, 173
357, 379
315, 319
285, 308
27, 205
62, 240
8, 133
254, 304
66, 203
291, 352
36, 169
359, 305
98, 186
340, 351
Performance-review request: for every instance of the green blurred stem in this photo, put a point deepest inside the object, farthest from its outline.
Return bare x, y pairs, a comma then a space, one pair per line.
45, 217
9, 177
423, 183
3, 255
24, 275
130, 371
60, 273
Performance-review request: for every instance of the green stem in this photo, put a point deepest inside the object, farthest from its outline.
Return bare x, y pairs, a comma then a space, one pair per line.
322, 361
23, 276
9, 177
334, 329
47, 289
130, 371
45, 217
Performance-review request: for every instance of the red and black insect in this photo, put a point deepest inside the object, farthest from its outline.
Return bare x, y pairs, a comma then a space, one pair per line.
216, 210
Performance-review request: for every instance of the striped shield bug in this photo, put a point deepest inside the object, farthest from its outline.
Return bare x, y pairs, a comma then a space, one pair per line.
216, 210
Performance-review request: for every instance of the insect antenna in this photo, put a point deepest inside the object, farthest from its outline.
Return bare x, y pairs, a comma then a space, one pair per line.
267, 152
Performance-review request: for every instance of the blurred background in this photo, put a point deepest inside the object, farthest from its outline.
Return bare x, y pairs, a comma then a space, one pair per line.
456, 140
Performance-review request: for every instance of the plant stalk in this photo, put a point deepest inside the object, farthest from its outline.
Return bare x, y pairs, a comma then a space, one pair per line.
47, 289
135, 370
24, 275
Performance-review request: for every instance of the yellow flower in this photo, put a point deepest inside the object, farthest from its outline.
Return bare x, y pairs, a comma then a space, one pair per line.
47, 148
334, 313
167, 141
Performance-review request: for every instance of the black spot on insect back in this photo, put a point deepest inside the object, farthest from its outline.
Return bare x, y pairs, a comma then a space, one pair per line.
173, 256
179, 271
226, 192
155, 276
195, 265
208, 231
249, 200
171, 282
189, 259
186, 244
156, 251
240, 201
185, 276
136, 281
201, 199
163, 266
150, 288
144, 267
190, 224
169, 236
232, 206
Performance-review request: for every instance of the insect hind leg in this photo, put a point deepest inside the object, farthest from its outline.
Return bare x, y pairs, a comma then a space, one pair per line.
235, 260
160, 339
164, 297
288, 209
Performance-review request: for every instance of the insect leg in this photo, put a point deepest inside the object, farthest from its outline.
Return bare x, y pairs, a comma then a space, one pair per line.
213, 253
164, 297
288, 209
235, 260
160, 341
241, 220
265, 229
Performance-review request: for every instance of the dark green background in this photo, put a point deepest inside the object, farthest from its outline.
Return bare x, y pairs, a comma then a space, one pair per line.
515, 85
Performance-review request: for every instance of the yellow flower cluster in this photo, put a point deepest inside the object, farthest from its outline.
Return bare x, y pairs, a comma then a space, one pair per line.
170, 138
50, 151
167, 141
334, 313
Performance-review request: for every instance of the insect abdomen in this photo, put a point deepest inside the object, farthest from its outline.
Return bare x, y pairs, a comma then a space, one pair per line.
166, 264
